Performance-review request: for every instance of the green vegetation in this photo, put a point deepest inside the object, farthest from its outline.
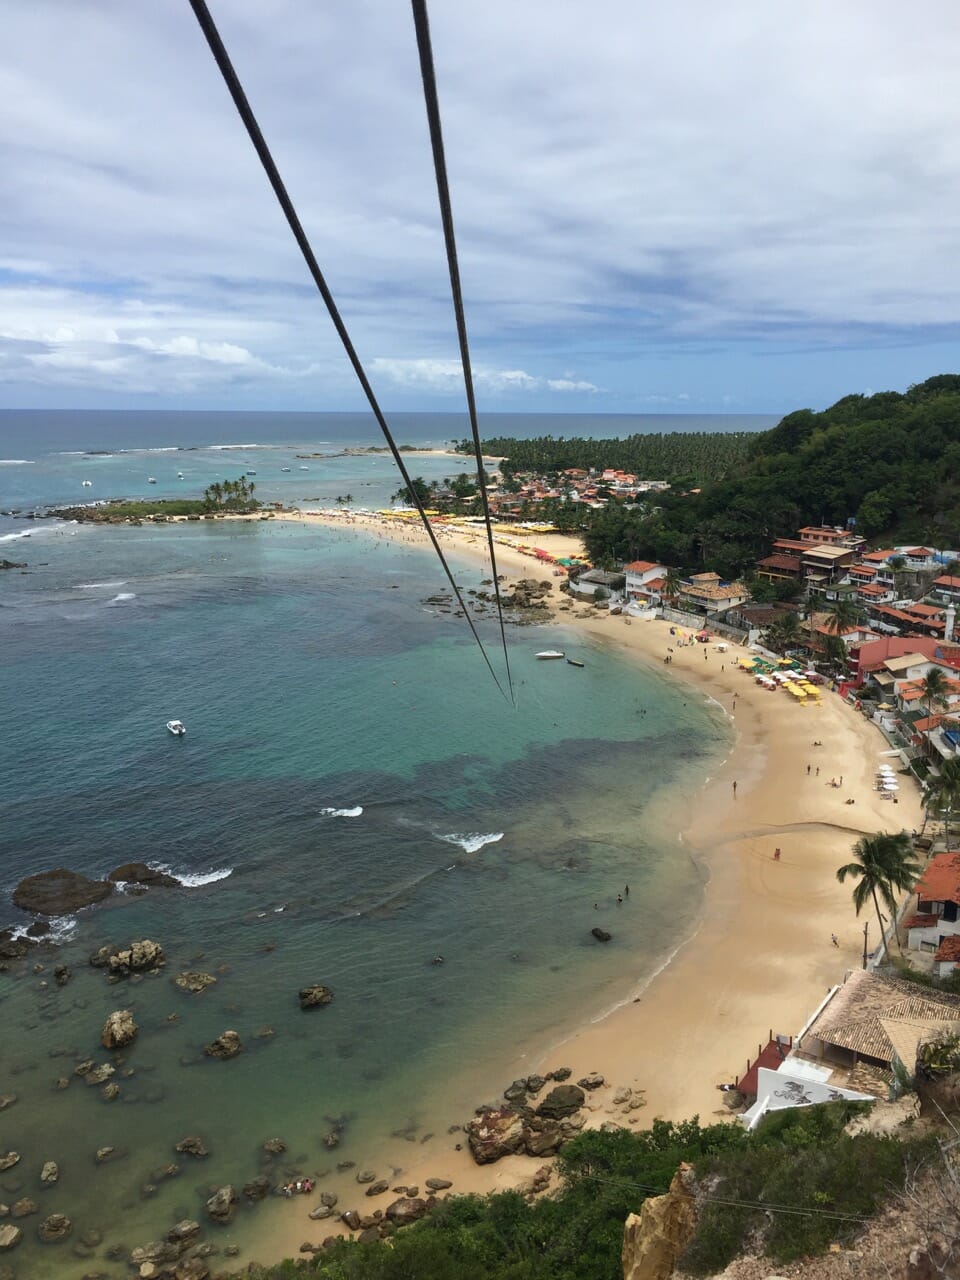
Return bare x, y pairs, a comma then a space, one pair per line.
226, 495
230, 495
882, 864
891, 461
797, 1160
680, 457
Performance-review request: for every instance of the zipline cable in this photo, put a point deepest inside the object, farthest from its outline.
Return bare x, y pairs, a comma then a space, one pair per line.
432, 102
245, 111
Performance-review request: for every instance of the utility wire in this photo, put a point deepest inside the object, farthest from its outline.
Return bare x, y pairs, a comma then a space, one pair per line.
432, 102
245, 111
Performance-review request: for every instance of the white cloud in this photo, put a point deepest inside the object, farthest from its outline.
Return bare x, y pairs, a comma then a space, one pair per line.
647, 182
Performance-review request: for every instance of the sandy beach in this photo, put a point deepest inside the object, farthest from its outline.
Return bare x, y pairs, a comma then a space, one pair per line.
761, 958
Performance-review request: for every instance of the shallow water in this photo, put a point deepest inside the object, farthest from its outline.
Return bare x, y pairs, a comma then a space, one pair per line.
313, 682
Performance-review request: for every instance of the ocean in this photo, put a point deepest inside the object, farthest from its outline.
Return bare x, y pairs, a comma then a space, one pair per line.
353, 799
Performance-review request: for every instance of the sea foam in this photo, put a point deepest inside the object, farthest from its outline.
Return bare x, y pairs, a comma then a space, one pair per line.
12, 537
193, 879
121, 596
16, 462
91, 586
343, 813
473, 841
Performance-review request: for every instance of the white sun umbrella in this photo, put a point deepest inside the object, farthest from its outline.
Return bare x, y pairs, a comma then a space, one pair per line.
891, 786
885, 768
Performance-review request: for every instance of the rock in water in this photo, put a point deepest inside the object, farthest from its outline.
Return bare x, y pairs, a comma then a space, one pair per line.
59, 892
601, 935
119, 1029
220, 1205
137, 958
194, 981
192, 1146
494, 1133
56, 1227
140, 873
315, 996
62, 975
10, 1236
9, 1160
654, 1240
50, 1173
226, 1045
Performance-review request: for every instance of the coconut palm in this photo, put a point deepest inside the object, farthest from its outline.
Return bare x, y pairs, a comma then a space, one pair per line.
671, 583
882, 863
934, 689
943, 792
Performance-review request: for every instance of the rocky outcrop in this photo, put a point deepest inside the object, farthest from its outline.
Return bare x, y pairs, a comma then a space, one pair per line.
140, 873
10, 1236
192, 1146
9, 1160
14, 948
194, 981
139, 957
220, 1205
315, 996
59, 892
257, 1189
54, 1228
227, 1045
119, 1029
654, 1239
494, 1133
561, 1101
50, 1173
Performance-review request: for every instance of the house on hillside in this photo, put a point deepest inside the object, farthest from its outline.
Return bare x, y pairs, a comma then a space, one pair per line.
779, 566
644, 581
707, 593
935, 925
588, 584
948, 587
919, 558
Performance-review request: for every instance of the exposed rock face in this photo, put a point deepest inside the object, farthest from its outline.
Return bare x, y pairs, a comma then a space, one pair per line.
97, 1074
157, 1253
9, 1160
194, 980
544, 1138
561, 1101
315, 996
184, 1232
220, 1205
12, 948
438, 1184
654, 1239
54, 1228
140, 873
601, 935
139, 957
592, 1081
192, 1146
50, 1173
10, 1236
495, 1133
378, 1188
227, 1045
23, 1208
406, 1209
59, 892
119, 1029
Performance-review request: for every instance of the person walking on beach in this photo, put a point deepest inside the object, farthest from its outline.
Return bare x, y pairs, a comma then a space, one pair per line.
734, 788
808, 771
834, 939
776, 854
619, 898
626, 891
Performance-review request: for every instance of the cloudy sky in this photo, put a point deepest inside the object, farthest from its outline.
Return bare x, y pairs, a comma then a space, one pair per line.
694, 207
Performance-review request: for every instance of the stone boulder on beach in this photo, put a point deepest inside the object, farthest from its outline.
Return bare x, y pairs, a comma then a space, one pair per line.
220, 1205
59, 892
494, 1133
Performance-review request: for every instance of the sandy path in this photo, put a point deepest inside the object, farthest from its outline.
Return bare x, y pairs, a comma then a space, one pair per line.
762, 957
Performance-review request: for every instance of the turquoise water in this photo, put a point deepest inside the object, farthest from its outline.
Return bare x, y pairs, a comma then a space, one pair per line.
313, 680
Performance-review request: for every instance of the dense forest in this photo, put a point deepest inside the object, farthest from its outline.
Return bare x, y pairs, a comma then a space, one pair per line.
799, 1158
681, 457
889, 461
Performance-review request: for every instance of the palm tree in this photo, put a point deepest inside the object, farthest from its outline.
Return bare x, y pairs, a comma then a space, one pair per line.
882, 863
943, 792
843, 614
671, 583
934, 689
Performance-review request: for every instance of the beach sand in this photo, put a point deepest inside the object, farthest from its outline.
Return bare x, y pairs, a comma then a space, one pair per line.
761, 958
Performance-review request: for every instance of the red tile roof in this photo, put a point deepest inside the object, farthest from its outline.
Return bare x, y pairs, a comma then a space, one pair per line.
949, 949
925, 610
920, 921
880, 555
940, 881
919, 551
862, 571
639, 566
873, 589
875, 653
948, 581
791, 563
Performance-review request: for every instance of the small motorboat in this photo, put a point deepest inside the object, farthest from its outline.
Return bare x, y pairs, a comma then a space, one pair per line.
177, 728
87, 484
251, 473
151, 479
550, 653
304, 468
179, 475
284, 468
575, 662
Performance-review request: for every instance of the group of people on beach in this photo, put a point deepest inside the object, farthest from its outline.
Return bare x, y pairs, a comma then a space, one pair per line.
302, 1186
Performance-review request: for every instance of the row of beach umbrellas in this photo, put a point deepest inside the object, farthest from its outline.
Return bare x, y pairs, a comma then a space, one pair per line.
886, 778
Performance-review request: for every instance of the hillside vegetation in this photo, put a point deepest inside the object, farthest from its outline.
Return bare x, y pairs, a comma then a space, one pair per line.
890, 461
798, 1159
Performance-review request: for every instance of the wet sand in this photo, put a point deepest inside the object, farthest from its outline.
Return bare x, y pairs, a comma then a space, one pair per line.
761, 958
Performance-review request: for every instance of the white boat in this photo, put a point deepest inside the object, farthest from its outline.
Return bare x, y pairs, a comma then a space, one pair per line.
284, 468
304, 468
179, 475
151, 479
87, 484
176, 727
550, 653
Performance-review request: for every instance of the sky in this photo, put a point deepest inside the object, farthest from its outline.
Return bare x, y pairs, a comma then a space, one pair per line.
695, 207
